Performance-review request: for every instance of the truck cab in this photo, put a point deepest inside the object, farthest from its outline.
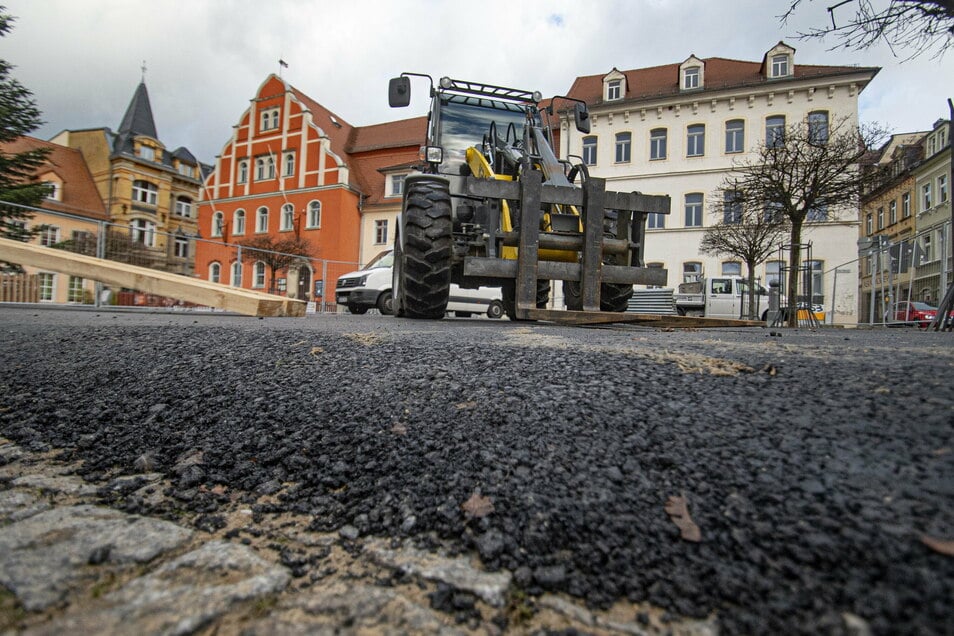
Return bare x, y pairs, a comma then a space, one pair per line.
722, 297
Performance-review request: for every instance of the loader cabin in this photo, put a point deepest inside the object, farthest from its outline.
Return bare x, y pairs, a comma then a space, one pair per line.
471, 115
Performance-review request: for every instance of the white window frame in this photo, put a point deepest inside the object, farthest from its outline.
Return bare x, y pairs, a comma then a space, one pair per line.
236, 274
145, 192
258, 275
238, 222
658, 144
395, 185
288, 217
184, 207
774, 130
942, 193
314, 215
590, 148
892, 212
655, 221
818, 123
695, 208
147, 152
50, 236
906, 205
74, 290
691, 271
46, 281
288, 164
380, 231
696, 140
261, 220
215, 272
734, 136
927, 195
614, 90
243, 171
143, 231
270, 119
180, 247
732, 268
780, 65
691, 77
624, 147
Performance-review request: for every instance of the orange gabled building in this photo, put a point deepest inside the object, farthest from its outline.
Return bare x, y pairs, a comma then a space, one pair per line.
282, 175
295, 173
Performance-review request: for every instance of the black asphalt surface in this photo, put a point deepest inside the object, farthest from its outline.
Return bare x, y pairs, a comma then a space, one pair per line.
818, 466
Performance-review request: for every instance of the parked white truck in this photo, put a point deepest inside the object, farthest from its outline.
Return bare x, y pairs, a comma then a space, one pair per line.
724, 297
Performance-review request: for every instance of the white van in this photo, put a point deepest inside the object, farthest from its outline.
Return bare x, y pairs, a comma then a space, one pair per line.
370, 288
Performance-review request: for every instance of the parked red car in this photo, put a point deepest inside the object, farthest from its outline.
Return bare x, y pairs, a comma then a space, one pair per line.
918, 313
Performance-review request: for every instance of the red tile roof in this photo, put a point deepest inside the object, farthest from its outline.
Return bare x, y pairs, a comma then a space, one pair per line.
720, 74
79, 194
337, 129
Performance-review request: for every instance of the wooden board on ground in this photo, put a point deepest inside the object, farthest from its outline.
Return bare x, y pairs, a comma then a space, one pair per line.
150, 281
646, 320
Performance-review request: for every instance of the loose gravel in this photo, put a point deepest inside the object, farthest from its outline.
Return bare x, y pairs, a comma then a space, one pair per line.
818, 466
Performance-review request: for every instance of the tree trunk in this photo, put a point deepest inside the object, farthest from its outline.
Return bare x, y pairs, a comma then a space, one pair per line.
753, 306
794, 261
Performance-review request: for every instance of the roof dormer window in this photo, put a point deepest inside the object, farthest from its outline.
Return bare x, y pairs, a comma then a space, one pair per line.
614, 86
692, 74
779, 66
779, 62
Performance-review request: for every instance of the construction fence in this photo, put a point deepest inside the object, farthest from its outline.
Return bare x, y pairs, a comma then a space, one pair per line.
231, 264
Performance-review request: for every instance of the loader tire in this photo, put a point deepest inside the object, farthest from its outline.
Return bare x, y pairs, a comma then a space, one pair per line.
426, 256
613, 297
509, 297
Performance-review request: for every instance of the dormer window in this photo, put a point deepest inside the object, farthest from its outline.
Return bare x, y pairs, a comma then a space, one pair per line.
147, 152
692, 74
779, 66
690, 78
614, 90
395, 185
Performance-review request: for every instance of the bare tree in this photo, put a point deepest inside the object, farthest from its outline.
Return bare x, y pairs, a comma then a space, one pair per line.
277, 254
921, 26
747, 230
806, 171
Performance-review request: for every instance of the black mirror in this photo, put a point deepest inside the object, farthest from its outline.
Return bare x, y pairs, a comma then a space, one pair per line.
399, 92
582, 118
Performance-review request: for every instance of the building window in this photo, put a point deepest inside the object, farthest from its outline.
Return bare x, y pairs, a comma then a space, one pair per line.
243, 171
264, 168
657, 143
869, 224
236, 274
74, 291
614, 90
45, 280
181, 247
696, 140
258, 281
218, 224
54, 190
49, 236
314, 214
145, 192
694, 209
817, 213
906, 205
147, 152
774, 131
215, 272
942, 189
142, 231
732, 207
184, 207
779, 66
270, 119
774, 212
732, 268
238, 222
288, 217
734, 136
892, 212
589, 151
261, 220
380, 232
818, 127
186, 170
396, 185
655, 221
881, 218
691, 272
926, 196
690, 78
623, 144
288, 167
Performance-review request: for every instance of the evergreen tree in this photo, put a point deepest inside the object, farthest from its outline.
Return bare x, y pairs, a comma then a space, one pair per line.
18, 184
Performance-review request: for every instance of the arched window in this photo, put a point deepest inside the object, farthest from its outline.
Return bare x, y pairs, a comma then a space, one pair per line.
218, 224
260, 169
215, 272
258, 281
261, 220
236, 274
243, 171
289, 168
314, 214
732, 268
145, 192
288, 217
238, 222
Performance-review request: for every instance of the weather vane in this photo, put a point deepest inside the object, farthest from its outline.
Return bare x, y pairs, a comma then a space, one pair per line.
281, 64
143, 67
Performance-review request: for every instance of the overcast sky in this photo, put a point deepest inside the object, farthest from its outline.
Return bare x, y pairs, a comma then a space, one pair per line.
205, 59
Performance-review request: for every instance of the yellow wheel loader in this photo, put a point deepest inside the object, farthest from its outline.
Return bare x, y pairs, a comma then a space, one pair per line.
493, 206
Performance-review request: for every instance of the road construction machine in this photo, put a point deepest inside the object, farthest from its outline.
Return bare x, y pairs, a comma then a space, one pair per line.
493, 206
